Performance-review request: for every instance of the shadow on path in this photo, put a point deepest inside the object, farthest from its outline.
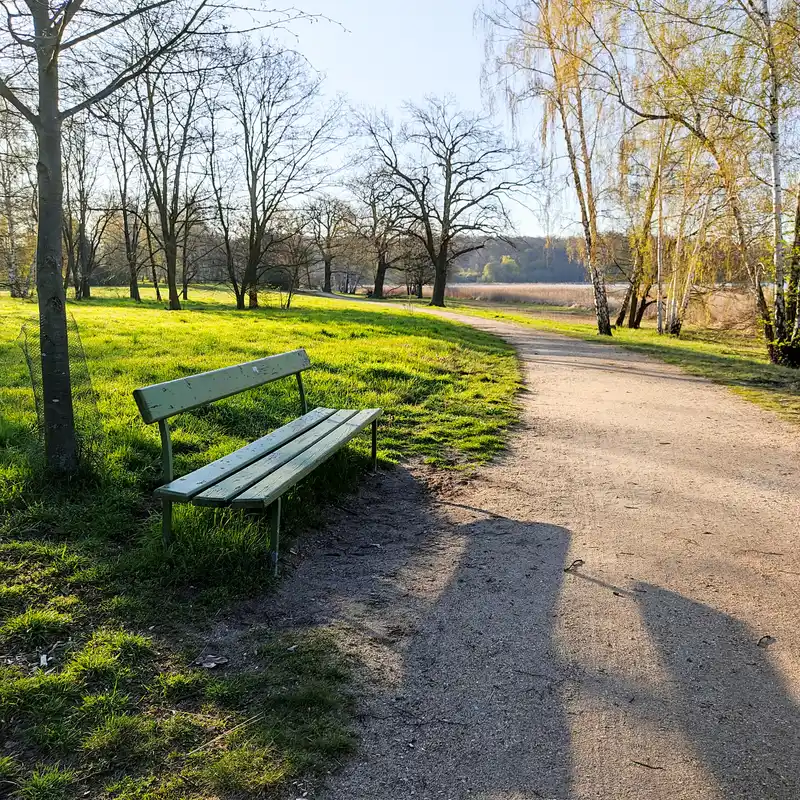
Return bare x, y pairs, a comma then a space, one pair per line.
732, 706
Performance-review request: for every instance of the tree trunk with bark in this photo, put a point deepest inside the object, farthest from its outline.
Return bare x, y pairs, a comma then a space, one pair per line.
644, 304
792, 316
13, 267
380, 276
61, 447
133, 281
171, 259
327, 262
626, 301
439, 280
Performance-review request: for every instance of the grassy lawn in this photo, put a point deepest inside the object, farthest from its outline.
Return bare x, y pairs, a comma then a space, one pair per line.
100, 628
731, 358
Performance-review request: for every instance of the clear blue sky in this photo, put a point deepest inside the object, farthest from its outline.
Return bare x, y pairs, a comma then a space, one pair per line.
388, 52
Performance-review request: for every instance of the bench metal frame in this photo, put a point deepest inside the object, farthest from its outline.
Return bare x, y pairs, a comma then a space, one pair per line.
159, 402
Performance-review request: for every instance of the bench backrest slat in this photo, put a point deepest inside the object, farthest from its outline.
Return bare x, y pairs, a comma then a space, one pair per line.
163, 400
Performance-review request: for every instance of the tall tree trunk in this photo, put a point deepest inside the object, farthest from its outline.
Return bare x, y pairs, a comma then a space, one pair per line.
792, 316
439, 281
155, 281
590, 223
153, 270
171, 259
643, 306
380, 276
61, 447
13, 268
585, 195
130, 251
69, 269
252, 297
660, 241
133, 279
623, 311
633, 305
82, 276
327, 285
76, 276
184, 269
677, 323
753, 272
779, 317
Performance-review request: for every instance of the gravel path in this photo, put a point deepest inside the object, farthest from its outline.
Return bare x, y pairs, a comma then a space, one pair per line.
493, 673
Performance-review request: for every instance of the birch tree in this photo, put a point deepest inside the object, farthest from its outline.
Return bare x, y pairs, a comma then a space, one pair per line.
545, 47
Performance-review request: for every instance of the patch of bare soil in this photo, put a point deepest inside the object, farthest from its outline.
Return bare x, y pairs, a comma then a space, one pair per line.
608, 611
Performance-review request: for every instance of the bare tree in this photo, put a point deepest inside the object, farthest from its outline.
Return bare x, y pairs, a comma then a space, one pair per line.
125, 166
159, 121
456, 174
50, 54
294, 256
85, 216
57, 59
379, 222
280, 135
331, 221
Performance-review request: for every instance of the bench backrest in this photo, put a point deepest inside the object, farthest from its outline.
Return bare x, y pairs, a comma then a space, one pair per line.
163, 400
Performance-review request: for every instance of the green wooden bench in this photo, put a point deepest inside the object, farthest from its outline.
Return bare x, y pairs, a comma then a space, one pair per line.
258, 474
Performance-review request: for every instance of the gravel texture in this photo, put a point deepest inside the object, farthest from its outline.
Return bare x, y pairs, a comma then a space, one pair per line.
640, 673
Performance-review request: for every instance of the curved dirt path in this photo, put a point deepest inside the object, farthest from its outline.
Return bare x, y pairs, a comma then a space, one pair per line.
492, 673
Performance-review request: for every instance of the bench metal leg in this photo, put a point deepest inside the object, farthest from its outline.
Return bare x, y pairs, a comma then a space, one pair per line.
274, 534
374, 446
166, 522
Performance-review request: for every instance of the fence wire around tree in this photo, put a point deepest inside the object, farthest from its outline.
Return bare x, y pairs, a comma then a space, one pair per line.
88, 426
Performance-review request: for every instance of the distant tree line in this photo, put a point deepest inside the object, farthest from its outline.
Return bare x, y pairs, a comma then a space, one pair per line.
526, 259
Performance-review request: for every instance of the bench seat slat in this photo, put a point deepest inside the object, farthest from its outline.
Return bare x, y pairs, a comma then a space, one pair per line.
189, 485
274, 485
163, 400
222, 493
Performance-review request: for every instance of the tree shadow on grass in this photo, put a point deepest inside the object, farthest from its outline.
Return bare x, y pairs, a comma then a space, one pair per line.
379, 319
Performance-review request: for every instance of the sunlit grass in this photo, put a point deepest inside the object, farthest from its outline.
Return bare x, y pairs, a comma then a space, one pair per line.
100, 626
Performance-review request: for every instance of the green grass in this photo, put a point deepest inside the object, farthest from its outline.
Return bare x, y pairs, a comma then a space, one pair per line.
119, 711
734, 359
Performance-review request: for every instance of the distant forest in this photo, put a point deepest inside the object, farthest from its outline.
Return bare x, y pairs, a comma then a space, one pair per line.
528, 259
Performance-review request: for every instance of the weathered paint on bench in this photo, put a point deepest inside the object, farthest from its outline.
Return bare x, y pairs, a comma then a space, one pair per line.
256, 475
222, 493
164, 400
274, 485
188, 486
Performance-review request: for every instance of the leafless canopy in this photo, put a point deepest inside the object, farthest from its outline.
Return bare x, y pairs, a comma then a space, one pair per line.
457, 174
